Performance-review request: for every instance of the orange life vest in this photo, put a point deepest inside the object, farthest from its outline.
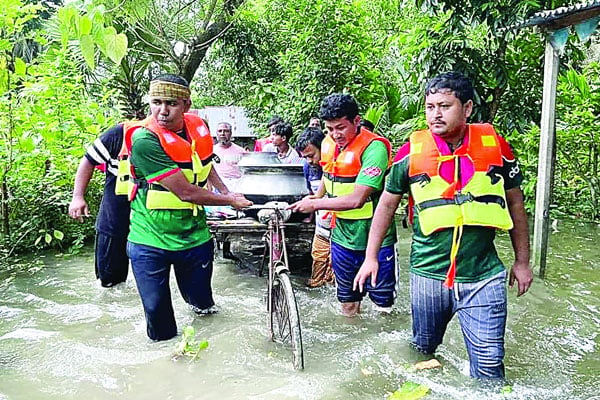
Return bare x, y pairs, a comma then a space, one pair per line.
340, 169
194, 157
479, 200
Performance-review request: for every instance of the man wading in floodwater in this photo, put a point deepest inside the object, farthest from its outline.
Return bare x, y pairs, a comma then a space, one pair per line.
463, 181
354, 163
170, 153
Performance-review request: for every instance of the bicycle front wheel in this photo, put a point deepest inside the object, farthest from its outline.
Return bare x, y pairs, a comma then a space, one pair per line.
285, 318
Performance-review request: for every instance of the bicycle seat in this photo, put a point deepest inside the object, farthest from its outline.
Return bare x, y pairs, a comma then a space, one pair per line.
265, 214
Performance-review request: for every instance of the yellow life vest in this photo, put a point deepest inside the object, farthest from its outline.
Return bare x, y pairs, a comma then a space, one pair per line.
340, 169
193, 158
478, 200
123, 184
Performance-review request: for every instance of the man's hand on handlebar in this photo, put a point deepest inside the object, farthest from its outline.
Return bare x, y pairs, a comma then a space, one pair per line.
238, 201
306, 205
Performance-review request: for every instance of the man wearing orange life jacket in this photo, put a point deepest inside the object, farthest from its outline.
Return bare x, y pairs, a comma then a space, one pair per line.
354, 164
463, 182
170, 154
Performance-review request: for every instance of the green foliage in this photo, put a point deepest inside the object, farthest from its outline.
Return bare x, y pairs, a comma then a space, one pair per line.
89, 30
188, 345
46, 120
577, 182
283, 58
576, 189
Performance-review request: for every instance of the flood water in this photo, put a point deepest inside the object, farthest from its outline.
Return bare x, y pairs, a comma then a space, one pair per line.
62, 336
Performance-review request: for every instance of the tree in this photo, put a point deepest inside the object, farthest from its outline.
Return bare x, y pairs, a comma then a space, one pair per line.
284, 57
163, 36
45, 118
14, 15
505, 66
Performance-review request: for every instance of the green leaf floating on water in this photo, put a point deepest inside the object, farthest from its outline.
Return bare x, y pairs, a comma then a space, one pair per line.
188, 345
409, 391
506, 389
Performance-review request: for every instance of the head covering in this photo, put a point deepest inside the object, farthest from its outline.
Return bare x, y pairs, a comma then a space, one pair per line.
168, 90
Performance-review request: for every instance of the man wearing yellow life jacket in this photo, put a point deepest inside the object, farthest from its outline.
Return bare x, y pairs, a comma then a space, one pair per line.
354, 162
170, 154
112, 222
463, 182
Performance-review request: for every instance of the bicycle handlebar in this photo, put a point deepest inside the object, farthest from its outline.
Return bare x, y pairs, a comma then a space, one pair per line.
282, 206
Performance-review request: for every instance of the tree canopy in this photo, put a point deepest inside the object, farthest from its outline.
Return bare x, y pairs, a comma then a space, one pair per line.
68, 72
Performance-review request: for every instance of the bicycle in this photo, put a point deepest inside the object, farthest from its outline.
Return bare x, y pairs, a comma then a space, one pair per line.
283, 318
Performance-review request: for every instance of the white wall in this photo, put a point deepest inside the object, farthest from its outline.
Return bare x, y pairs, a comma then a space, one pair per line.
236, 116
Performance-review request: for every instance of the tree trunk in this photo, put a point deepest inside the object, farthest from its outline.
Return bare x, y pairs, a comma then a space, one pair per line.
4, 209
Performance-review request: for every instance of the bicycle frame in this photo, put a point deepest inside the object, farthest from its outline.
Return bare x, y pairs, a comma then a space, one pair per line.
275, 242
282, 308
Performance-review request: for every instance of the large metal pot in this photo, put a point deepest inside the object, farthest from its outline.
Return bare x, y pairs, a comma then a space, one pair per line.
265, 178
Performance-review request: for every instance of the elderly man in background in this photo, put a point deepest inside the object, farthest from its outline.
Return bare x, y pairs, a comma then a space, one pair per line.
229, 155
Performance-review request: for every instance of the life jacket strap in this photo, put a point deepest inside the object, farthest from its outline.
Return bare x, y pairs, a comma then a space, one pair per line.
456, 238
461, 198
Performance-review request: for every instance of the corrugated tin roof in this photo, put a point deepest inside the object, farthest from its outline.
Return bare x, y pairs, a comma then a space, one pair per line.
561, 17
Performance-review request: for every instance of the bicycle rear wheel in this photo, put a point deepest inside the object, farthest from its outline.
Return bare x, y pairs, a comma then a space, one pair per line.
285, 318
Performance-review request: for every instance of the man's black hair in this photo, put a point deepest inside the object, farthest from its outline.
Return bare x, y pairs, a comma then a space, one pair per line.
173, 79
338, 105
275, 119
310, 135
284, 129
456, 82
367, 124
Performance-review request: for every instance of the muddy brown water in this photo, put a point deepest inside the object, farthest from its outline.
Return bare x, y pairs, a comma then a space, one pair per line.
62, 336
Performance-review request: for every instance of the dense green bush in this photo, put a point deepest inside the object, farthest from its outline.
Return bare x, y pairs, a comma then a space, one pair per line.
46, 119
577, 178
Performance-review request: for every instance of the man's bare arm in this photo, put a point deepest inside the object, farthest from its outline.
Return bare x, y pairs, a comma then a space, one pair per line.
185, 191
78, 208
356, 199
382, 219
519, 236
216, 182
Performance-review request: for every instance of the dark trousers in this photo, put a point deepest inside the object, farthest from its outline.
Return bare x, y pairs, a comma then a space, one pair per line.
151, 268
111, 261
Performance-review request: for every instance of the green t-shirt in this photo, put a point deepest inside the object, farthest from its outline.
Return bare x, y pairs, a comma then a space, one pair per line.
477, 258
165, 229
353, 234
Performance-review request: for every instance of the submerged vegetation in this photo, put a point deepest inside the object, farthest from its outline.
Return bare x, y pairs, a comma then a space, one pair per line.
69, 71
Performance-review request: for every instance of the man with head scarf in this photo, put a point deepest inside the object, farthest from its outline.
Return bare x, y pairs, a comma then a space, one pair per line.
170, 154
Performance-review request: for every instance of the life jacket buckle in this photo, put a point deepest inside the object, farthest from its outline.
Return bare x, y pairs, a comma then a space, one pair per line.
462, 198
